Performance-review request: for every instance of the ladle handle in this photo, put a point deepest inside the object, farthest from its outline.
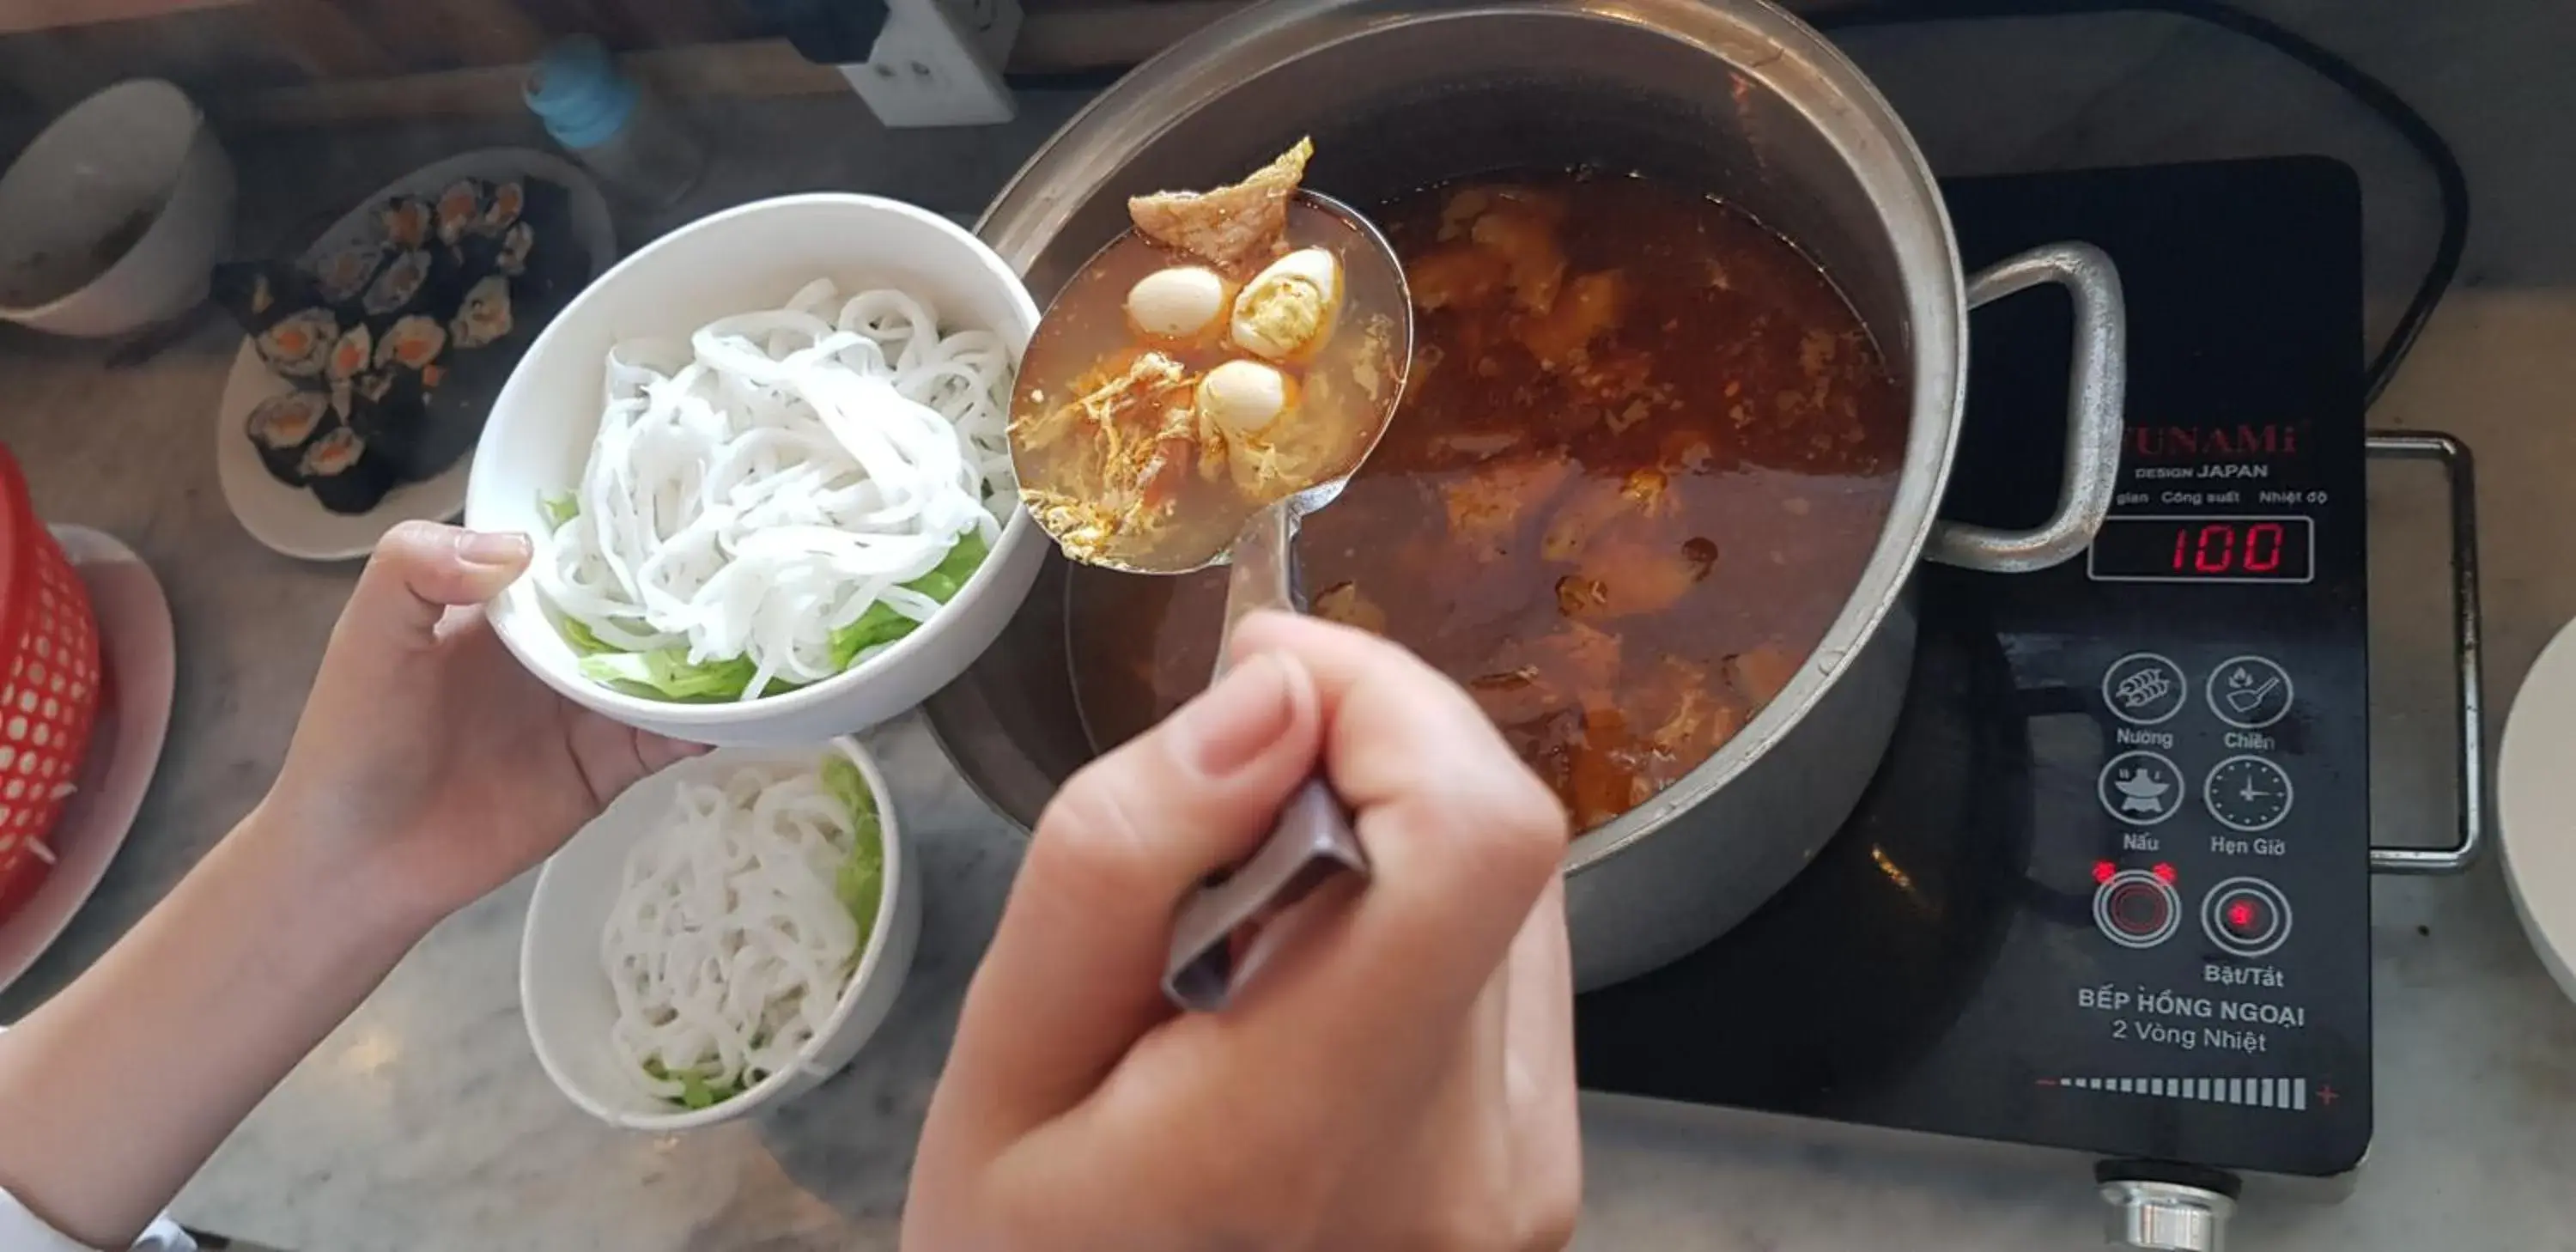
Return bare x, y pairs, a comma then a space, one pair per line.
1312, 840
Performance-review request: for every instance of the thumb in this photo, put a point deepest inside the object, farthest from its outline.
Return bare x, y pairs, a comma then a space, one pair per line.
1073, 976
419, 570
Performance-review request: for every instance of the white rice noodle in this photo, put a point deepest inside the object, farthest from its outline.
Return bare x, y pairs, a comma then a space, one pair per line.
727, 948
767, 483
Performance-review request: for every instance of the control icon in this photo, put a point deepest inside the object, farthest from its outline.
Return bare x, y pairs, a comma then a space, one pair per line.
2249, 692
2143, 688
2247, 793
2136, 909
2246, 916
2140, 787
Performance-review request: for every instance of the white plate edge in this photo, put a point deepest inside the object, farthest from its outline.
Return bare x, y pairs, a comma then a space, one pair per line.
86, 546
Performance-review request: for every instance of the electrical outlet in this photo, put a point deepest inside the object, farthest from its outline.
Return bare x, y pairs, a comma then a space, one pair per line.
939, 64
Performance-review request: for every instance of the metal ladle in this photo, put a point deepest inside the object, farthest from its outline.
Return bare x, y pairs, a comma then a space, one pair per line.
1312, 839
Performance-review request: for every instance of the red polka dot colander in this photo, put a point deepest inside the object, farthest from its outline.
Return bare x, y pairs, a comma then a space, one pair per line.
49, 654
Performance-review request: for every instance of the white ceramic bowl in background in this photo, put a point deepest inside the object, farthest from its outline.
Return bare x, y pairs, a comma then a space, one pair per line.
744, 259
565, 995
2535, 806
139, 147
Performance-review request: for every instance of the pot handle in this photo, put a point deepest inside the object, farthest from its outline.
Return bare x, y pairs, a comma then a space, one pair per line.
2095, 384
2459, 477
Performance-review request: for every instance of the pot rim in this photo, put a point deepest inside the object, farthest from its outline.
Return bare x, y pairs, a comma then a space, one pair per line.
1753, 39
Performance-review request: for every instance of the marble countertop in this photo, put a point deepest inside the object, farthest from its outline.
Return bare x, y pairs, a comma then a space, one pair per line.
425, 1121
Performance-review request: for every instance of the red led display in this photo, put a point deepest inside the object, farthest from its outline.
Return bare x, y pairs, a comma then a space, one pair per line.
2197, 549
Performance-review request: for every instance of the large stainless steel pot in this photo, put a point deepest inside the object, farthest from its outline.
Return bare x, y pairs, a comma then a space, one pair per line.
1731, 96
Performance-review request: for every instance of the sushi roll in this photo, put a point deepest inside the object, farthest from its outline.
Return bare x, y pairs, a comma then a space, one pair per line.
461, 400
484, 317
459, 208
557, 264
282, 426
403, 286
260, 294
390, 410
299, 345
365, 389
408, 221
457, 269
501, 209
387, 413
414, 343
511, 258
480, 256
344, 473
351, 355
343, 276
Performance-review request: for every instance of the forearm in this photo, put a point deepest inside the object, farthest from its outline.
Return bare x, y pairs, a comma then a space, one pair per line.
119, 1088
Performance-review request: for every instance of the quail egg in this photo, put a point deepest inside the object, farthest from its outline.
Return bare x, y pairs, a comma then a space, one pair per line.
1244, 397
1287, 310
1176, 303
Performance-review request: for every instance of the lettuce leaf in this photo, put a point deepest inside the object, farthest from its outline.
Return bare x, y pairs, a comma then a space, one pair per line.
582, 640
860, 882
945, 579
667, 673
882, 625
695, 1091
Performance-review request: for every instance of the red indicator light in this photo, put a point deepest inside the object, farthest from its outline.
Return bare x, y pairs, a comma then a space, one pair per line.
2240, 915
2102, 871
2165, 872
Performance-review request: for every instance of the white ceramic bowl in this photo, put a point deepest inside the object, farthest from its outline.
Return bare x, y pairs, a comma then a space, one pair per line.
136, 152
2535, 806
565, 996
742, 259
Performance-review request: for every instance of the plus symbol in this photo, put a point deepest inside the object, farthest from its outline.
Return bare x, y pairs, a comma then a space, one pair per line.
2327, 1095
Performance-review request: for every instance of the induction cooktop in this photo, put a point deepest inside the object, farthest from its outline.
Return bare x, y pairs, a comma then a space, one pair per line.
2107, 892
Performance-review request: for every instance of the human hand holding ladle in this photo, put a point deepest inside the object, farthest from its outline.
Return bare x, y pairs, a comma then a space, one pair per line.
1347, 379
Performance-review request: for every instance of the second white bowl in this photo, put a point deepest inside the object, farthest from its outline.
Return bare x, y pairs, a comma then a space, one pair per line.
565, 995
744, 259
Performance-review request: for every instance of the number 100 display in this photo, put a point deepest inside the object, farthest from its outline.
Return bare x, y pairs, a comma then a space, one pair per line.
2204, 549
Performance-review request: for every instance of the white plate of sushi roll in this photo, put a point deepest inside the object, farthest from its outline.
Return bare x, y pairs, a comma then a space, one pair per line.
294, 473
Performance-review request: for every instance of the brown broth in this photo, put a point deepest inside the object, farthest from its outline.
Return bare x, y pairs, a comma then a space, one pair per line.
1623, 551
1342, 389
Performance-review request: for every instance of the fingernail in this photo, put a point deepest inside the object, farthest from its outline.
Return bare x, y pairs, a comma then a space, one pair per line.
489, 548
1246, 711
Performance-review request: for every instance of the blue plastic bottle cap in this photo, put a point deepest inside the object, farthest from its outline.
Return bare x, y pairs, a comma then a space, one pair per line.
577, 92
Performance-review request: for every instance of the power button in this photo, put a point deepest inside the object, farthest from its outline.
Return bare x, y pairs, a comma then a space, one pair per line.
2136, 909
2246, 917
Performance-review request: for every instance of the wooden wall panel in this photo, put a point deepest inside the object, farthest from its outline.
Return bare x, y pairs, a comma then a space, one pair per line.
316, 62
220, 47
25, 15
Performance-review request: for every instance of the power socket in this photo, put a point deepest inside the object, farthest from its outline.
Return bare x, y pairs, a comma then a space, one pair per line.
939, 64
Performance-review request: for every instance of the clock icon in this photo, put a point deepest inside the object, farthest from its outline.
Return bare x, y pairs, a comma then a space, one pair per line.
2247, 793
